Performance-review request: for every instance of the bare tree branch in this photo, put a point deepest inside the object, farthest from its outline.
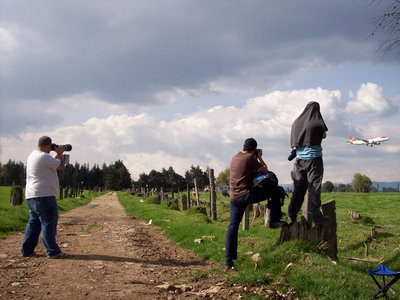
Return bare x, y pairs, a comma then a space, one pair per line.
388, 24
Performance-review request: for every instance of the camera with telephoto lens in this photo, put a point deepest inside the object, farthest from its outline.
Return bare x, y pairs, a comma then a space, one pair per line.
67, 147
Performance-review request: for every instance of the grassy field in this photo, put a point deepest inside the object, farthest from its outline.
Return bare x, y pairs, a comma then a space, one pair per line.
313, 275
13, 218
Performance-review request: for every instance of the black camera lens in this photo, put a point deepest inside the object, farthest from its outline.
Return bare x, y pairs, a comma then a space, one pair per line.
67, 147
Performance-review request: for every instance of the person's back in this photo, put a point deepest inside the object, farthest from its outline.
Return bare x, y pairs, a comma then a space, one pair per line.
41, 191
41, 175
242, 168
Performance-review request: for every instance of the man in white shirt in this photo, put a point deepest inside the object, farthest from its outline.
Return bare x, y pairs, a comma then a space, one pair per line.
40, 193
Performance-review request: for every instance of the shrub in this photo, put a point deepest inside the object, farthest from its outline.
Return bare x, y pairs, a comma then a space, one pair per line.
200, 213
173, 204
153, 200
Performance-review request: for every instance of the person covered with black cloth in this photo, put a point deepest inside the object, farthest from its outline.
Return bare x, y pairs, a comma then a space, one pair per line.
307, 133
244, 165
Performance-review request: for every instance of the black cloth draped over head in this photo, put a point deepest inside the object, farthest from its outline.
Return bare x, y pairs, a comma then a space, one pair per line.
309, 128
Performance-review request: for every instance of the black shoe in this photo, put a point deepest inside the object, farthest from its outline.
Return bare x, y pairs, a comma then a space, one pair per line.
60, 255
278, 224
230, 268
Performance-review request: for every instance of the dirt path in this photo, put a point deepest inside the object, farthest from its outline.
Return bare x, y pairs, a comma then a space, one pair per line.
111, 256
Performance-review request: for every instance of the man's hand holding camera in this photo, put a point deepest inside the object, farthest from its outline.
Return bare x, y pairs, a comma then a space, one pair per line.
59, 150
258, 153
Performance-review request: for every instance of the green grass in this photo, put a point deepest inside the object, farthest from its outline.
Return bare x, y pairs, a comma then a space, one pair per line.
13, 218
313, 275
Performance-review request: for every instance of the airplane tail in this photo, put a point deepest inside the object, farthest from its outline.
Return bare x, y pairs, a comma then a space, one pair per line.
352, 138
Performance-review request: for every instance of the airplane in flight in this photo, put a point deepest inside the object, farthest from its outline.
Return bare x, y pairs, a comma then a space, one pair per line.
369, 141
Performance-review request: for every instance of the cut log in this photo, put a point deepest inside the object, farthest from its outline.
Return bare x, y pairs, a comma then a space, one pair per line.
317, 234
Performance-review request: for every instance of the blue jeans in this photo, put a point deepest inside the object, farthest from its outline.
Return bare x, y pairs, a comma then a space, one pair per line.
238, 207
43, 216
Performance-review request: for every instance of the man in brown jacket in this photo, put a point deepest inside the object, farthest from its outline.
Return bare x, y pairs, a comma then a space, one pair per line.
243, 167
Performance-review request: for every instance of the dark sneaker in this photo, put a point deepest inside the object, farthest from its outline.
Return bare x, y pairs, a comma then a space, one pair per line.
229, 268
33, 254
58, 256
291, 222
322, 221
278, 224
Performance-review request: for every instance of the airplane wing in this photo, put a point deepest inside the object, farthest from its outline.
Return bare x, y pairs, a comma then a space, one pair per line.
357, 141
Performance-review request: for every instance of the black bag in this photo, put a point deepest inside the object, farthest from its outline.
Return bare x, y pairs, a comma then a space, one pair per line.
268, 182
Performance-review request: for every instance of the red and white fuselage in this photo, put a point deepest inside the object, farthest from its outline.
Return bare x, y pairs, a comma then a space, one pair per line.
369, 141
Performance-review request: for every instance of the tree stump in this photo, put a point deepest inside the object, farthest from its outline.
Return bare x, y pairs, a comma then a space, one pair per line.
16, 197
324, 235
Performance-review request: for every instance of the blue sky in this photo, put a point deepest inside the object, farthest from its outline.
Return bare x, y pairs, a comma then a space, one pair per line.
181, 83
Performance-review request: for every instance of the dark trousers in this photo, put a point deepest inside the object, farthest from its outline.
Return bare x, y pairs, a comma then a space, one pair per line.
307, 175
238, 207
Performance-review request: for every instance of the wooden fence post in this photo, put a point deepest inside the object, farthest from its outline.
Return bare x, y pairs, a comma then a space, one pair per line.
162, 194
184, 202
266, 216
16, 197
197, 192
246, 218
188, 195
213, 196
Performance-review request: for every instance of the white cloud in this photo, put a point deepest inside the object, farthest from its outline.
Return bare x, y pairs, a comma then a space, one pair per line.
370, 100
8, 41
210, 137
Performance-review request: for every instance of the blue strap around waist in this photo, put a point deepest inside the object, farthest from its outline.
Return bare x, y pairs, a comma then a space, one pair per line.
382, 270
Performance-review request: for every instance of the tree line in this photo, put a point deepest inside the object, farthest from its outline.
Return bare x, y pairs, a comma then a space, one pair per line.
360, 184
114, 176
117, 177
170, 181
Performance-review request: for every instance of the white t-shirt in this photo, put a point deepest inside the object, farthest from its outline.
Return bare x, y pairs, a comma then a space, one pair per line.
41, 175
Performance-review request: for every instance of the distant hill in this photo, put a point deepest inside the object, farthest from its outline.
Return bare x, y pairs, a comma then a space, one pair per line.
375, 184
286, 186
381, 185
